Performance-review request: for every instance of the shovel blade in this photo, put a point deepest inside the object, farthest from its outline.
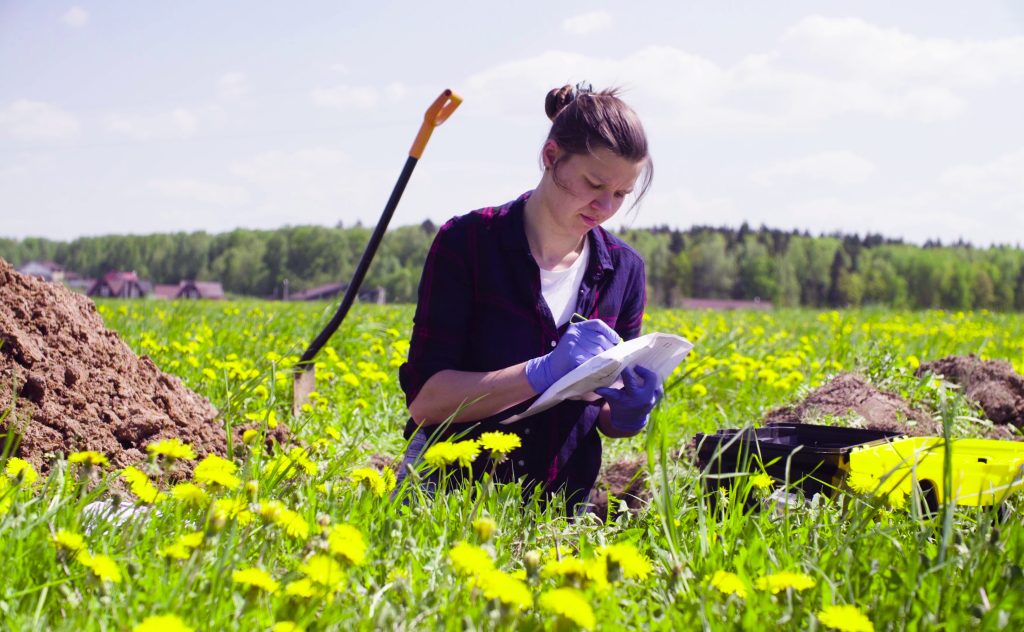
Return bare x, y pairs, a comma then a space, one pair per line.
303, 384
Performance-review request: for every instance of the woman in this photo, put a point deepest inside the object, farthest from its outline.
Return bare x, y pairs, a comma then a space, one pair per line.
500, 285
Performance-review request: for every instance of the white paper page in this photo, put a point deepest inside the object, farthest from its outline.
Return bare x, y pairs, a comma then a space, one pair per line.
659, 353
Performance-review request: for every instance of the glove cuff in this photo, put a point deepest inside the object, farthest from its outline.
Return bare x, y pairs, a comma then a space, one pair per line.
538, 374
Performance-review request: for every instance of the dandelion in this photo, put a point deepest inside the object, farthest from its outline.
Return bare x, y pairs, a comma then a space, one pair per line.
699, 390
499, 443
347, 542
218, 471
249, 436
761, 481
20, 468
300, 588
162, 623
225, 509
502, 587
172, 449
470, 559
380, 485
447, 453
68, 541
846, 618
729, 584
256, 578
287, 626
190, 494
570, 604
778, 582
862, 482
183, 547
141, 486
291, 522
485, 528
88, 457
323, 570
102, 566
624, 558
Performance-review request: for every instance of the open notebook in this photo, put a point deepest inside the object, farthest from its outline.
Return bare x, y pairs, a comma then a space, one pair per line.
657, 352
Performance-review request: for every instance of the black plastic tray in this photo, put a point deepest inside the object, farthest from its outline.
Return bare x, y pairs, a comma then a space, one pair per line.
816, 456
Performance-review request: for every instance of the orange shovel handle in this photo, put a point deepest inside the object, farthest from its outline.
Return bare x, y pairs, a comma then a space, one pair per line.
437, 113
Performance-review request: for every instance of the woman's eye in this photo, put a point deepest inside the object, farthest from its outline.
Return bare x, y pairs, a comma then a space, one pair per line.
593, 185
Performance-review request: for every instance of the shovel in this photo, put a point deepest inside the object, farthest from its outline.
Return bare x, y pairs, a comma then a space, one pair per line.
305, 371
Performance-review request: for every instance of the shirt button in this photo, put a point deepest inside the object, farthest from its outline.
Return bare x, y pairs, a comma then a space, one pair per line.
554, 344
521, 463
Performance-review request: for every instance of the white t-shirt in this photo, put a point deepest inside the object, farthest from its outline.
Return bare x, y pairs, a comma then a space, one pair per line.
560, 288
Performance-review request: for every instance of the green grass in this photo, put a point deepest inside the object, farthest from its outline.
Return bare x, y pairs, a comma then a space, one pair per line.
958, 569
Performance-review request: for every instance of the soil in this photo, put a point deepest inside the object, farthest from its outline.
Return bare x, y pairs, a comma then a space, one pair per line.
992, 384
71, 384
624, 480
847, 394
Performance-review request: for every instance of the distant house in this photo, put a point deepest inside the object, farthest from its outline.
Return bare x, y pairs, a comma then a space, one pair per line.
725, 304
119, 285
46, 270
331, 290
212, 290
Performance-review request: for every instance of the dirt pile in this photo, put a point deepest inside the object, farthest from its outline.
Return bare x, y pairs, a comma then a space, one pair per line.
847, 394
992, 384
75, 385
624, 480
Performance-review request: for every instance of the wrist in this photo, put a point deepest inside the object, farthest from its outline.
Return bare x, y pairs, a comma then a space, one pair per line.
538, 374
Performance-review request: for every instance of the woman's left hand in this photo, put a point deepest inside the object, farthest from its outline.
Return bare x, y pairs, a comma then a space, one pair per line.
632, 404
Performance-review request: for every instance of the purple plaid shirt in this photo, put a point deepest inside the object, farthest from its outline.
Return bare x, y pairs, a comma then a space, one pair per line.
480, 309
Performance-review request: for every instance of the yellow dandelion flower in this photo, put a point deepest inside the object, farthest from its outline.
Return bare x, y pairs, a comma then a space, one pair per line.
141, 486
568, 567
372, 480
232, 509
347, 542
69, 541
255, 578
218, 471
182, 548
699, 390
729, 584
439, 455
172, 449
162, 623
466, 452
20, 468
190, 494
88, 457
250, 436
570, 604
301, 588
470, 559
846, 618
498, 585
102, 566
290, 521
485, 527
625, 559
778, 582
323, 570
500, 443
287, 626
862, 482
762, 481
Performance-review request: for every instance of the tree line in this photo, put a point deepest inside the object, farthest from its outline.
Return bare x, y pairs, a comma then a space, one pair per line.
789, 268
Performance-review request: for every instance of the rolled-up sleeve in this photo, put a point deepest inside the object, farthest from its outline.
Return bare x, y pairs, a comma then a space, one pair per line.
443, 311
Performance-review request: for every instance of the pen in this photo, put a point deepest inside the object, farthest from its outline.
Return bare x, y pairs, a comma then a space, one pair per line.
579, 318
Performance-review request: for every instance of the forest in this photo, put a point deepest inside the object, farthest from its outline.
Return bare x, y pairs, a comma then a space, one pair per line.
788, 268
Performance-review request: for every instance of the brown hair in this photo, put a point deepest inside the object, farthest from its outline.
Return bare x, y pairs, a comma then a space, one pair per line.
583, 120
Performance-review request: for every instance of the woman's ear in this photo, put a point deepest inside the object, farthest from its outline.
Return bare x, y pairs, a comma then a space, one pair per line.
550, 153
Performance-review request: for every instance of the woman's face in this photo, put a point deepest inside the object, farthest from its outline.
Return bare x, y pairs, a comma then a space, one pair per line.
593, 186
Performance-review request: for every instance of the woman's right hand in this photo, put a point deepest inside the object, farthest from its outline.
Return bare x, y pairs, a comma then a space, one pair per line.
580, 342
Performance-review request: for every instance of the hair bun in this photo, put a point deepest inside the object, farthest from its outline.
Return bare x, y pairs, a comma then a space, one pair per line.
557, 99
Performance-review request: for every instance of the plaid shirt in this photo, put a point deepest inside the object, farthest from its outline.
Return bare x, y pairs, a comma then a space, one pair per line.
480, 309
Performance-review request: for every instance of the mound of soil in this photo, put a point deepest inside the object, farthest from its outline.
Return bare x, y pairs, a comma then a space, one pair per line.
624, 480
71, 384
992, 384
847, 394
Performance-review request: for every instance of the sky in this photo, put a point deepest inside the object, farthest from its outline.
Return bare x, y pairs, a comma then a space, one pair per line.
899, 118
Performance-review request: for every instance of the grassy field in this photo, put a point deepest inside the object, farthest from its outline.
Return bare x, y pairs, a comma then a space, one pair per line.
308, 538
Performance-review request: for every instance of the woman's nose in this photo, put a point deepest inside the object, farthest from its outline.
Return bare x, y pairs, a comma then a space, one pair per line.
603, 201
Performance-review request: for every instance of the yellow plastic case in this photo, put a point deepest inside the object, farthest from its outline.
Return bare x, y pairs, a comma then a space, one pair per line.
985, 471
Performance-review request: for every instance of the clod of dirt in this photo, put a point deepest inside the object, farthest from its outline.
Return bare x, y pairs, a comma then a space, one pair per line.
624, 480
71, 384
992, 384
849, 393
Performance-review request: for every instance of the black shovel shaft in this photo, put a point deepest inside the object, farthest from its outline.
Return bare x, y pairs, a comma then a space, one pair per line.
364, 265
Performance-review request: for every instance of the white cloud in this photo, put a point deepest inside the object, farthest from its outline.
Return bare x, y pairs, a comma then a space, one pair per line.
831, 167
177, 123
587, 23
75, 17
233, 85
346, 97
194, 190
820, 69
35, 120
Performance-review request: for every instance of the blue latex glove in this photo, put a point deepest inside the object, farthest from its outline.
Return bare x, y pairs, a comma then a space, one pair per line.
632, 404
579, 343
